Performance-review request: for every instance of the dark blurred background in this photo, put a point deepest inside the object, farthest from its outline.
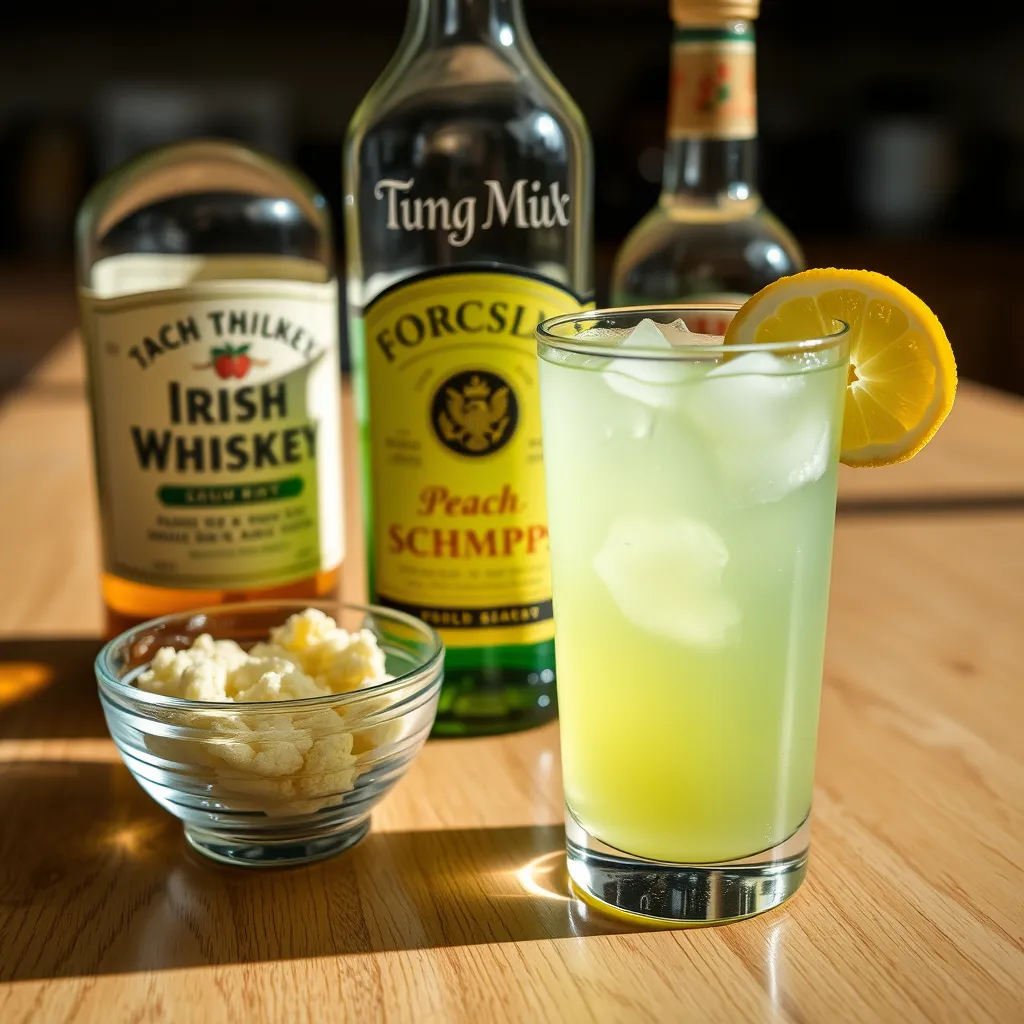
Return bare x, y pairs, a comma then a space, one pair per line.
892, 133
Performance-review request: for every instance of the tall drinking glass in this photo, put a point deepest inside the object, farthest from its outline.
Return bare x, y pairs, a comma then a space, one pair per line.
691, 492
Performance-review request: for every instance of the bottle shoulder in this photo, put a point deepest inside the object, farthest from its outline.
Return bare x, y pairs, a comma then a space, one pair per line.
205, 198
664, 228
469, 88
195, 167
468, 154
676, 252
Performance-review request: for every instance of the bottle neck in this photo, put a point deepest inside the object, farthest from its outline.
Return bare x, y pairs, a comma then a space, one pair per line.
498, 23
711, 144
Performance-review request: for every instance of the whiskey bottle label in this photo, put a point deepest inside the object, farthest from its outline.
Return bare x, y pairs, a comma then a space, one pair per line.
217, 431
460, 534
713, 90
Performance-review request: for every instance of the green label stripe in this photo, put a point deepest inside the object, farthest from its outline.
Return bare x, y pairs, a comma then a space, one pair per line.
220, 495
741, 33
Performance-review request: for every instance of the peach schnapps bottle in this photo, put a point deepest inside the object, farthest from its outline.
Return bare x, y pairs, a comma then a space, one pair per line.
468, 220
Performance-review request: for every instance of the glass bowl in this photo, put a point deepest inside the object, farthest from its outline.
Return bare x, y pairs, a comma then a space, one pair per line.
280, 782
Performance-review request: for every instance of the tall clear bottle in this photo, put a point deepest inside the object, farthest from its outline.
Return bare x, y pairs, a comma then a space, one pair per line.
710, 237
468, 220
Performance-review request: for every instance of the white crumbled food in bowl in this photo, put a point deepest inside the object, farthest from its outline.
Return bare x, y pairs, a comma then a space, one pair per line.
278, 763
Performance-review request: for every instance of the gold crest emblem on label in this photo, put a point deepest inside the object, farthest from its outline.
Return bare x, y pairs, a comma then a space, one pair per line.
475, 412
456, 472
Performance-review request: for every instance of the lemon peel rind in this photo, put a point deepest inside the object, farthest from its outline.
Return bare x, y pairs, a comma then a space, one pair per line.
873, 285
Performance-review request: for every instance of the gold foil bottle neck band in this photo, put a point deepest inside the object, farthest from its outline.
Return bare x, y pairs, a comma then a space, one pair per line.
712, 12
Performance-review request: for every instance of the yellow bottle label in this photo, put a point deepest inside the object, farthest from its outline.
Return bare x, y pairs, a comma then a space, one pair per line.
460, 534
713, 91
215, 407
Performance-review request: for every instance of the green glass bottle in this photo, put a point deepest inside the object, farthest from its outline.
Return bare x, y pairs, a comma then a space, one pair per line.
468, 220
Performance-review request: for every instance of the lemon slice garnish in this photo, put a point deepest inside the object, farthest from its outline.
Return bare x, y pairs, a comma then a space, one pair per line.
902, 375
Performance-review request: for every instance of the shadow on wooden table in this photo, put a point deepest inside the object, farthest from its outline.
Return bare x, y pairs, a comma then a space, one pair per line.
48, 690
96, 879
930, 504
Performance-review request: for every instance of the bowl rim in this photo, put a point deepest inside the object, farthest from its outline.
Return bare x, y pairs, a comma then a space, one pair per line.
109, 685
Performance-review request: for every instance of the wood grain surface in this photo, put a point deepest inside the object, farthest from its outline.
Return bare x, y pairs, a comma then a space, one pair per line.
455, 906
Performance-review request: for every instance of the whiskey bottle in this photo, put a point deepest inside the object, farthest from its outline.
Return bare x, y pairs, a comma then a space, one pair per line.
468, 220
210, 318
710, 238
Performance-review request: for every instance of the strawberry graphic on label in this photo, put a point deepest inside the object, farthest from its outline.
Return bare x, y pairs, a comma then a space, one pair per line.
713, 89
231, 361
222, 363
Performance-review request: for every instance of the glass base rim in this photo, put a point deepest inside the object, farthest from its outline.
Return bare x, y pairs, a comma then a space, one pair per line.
282, 851
666, 894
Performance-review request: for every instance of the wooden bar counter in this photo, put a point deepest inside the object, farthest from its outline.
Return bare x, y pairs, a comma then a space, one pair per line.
455, 907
